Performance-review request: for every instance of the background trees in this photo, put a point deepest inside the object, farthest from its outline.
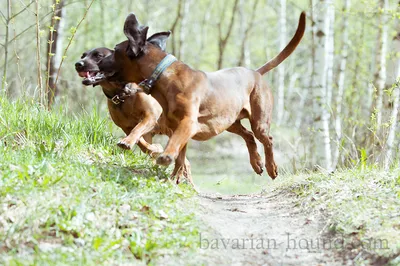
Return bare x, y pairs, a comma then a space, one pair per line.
337, 96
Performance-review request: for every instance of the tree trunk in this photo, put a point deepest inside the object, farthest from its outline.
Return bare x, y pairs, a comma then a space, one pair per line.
393, 119
281, 68
245, 28
203, 33
38, 57
390, 142
341, 81
223, 40
54, 51
4, 79
182, 32
323, 41
175, 24
380, 75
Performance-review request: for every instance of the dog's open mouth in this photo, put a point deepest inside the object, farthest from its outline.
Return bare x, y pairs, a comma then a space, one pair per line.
93, 77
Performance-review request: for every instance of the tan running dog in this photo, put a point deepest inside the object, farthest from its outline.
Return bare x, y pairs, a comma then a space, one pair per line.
200, 105
135, 112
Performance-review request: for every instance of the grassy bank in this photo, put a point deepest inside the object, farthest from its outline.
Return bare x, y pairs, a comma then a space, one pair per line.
360, 209
69, 195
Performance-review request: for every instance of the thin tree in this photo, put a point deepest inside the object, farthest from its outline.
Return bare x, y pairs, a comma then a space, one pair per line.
183, 28
281, 69
7, 22
380, 75
175, 24
323, 41
390, 142
223, 38
202, 37
341, 80
64, 55
246, 26
54, 51
38, 58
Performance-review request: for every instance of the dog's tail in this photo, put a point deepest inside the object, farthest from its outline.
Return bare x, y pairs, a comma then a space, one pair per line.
288, 50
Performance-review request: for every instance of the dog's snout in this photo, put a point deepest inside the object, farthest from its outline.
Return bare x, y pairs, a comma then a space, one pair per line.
79, 65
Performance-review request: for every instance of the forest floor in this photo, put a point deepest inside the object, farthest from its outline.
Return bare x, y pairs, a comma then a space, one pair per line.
347, 218
263, 230
69, 196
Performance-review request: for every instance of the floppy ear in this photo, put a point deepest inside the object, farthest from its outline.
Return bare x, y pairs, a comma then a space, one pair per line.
159, 39
136, 35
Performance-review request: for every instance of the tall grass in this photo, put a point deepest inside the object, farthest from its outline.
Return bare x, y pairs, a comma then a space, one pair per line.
69, 196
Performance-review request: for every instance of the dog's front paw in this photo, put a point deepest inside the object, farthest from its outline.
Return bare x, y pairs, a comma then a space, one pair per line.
124, 144
164, 160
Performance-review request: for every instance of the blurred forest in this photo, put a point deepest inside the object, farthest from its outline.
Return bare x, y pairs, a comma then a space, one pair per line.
336, 97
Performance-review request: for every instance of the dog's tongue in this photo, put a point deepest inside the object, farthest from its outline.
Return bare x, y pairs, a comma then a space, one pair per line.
84, 74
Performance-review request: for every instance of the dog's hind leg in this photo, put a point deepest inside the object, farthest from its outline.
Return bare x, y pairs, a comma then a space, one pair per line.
261, 102
182, 167
248, 136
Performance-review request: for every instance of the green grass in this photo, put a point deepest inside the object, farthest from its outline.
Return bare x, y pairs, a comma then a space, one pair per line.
69, 196
360, 206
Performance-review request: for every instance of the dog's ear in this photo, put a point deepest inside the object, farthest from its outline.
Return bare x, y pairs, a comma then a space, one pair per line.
136, 35
159, 39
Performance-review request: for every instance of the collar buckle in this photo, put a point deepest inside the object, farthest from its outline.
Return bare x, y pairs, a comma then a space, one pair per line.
146, 85
117, 100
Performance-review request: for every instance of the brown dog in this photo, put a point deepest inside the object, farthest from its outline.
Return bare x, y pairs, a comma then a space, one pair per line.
200, 105
137, 114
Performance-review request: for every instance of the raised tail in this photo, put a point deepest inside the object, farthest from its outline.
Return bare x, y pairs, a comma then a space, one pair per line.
288, 50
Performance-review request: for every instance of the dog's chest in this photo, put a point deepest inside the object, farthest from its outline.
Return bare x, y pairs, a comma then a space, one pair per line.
123, 115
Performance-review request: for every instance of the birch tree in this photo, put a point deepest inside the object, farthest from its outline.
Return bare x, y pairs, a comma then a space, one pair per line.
5, 46
390, 143
281, 68
341, 80
323, 44
380, 76
38, 58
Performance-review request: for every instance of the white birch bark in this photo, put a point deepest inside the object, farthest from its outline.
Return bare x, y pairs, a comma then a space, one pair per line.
393, 122
381, 77
321, 66
281, 68
341, 81
390, 142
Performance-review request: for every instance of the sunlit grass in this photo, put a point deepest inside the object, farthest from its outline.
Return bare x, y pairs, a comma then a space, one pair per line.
69, 196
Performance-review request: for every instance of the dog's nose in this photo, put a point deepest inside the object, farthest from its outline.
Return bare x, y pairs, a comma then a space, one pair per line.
79, 65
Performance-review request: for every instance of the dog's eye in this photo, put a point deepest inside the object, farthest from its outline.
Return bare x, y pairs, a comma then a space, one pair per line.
100, 55
83, 56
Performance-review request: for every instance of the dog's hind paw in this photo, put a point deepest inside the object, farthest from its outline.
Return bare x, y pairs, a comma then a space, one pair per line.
272, 170
258, 167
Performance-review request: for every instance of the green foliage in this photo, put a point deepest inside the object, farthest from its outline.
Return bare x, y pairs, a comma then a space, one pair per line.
69, 196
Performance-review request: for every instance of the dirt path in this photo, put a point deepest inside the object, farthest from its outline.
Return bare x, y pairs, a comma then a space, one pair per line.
261, 230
